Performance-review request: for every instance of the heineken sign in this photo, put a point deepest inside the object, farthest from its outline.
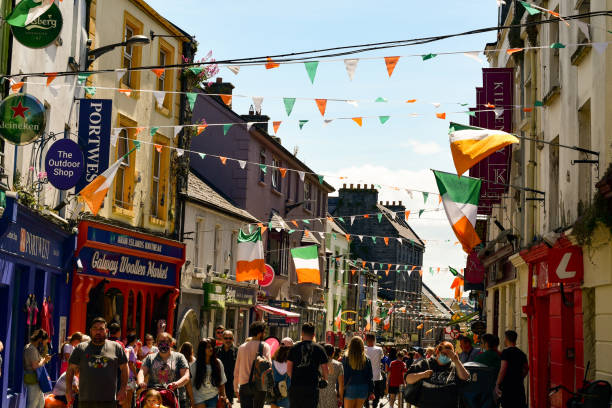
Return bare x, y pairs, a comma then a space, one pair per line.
22, 119
42, 31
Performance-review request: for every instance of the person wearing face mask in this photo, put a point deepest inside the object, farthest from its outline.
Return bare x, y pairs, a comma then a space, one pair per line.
440, 376
164, 368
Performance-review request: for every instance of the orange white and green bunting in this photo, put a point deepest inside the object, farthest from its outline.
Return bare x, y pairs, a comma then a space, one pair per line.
306, 260
94, 193
470, 144
460, 199
250, 264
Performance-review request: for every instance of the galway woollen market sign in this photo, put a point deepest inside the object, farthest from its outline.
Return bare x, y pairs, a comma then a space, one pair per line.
41, 32
22, 119
64, 164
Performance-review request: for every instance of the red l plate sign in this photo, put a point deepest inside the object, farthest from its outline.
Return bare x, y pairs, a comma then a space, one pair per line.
565, 265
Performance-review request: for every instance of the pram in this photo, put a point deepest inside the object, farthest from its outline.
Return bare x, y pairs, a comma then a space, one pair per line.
169, 398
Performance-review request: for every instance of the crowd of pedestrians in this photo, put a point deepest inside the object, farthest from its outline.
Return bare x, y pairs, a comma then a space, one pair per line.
103, 370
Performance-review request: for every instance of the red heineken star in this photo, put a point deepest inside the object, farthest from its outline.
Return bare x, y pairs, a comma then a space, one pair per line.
19, 110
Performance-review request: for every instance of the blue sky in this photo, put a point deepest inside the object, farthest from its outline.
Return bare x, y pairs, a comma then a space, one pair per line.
398, 153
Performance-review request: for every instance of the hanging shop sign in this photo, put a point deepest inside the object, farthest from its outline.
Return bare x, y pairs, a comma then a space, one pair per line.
276, 320
104, 236
238, 295
121, 266
22, 119
348, 320
214, 295
94, 137
41, 32
268, 277
565, 265
64, 164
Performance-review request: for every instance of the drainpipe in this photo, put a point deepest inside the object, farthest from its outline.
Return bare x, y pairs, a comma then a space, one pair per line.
531, 215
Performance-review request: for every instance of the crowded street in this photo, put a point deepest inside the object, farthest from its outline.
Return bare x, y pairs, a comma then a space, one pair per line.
292, 204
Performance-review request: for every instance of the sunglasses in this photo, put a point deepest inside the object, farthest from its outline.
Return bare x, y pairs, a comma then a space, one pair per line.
228, 338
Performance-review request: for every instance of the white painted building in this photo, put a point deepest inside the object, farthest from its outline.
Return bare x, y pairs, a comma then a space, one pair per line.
336, 247
211, 233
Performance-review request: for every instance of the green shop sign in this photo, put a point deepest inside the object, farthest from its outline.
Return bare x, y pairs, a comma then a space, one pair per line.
22, 119
41, 32
214, 296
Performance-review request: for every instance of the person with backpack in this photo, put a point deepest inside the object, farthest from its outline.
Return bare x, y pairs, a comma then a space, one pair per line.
253, 356
282, 381
433, 382
305, 358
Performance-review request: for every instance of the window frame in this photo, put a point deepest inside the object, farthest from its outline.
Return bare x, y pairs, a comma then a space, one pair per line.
137, 28
262, 160
307, 196
277, 180
168, 78
129, 170
161, 200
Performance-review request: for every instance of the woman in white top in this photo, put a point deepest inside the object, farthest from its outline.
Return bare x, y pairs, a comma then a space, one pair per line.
67, 349
207, 376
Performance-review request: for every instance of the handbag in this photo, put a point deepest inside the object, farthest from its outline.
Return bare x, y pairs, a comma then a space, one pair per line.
223, 403
412, 392
44, 381
250, 387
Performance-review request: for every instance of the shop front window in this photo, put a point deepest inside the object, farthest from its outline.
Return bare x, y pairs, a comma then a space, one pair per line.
230, 320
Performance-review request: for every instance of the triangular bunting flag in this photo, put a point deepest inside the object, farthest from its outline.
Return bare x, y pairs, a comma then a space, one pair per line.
425, 196
557, 45
276, 125
498, 112
327, 122
271, 64
158, 147
311, 69
411, 101
383, 119
227, 99
50, 77
529, 8
223, 159
120, 72
420, 213
180, 152
386, 239
177, 129
320, 177
302, 123
301, 174
358, 120
115, 136
257, 101
159, 98
380, 99
407, 214
351, 66
158, 72
126, 92
90, 90
391, 62
226, 128
283, 171
16, 87
321, 104
379, 216
249, 125
511, 51
352, 219
584, 27
200, 128
289, 102
153, 131
202, 155
263, 168
428, 56
441, 115
242, 164
234, 68
473, 55
191, 98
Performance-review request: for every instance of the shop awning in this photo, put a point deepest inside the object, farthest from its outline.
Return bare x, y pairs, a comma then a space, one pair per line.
290, 317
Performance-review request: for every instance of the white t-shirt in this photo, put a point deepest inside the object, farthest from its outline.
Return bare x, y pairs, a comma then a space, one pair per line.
375, 354
206, 390
60, 385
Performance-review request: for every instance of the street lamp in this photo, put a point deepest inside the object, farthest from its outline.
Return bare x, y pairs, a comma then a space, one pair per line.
135, 40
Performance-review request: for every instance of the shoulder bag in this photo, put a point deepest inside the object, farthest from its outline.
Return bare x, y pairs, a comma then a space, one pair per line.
412, 392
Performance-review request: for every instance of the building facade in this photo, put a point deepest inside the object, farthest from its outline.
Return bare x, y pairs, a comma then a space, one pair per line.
275, 187
211, 233
562, 317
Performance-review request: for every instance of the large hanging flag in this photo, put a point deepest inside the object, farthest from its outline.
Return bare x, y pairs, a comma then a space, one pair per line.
470, 144
93, 194
250, 264
460, 199
387, 321
338, 320
27, 11
306, 260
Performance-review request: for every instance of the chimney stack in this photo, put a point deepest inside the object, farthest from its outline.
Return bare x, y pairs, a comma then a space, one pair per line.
220, 87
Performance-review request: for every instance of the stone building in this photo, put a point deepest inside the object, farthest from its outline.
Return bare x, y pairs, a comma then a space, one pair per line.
393, 284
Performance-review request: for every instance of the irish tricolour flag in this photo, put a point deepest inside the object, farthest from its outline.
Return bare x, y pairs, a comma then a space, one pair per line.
470, 144
93, 194
27, 11
306, 260
250, 263
460, 199
338, 320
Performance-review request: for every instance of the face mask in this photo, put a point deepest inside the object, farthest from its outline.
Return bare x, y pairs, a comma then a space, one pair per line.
443, 359
163, 347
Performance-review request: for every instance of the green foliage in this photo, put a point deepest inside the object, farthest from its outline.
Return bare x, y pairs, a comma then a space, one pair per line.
25, 193
599, 212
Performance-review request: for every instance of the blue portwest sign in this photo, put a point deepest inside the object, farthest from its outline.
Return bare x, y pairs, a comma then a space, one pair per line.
64, 164
127, 241
94, 137
120, 266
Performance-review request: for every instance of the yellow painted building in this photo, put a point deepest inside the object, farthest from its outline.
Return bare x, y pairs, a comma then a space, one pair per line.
144, 190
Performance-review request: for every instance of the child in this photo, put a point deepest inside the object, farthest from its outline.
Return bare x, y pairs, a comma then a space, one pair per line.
397, 370
153, 399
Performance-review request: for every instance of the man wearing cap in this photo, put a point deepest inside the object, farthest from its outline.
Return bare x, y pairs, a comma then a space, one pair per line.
227, 354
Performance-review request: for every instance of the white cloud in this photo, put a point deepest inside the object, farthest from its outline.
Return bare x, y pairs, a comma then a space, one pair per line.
422, 148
